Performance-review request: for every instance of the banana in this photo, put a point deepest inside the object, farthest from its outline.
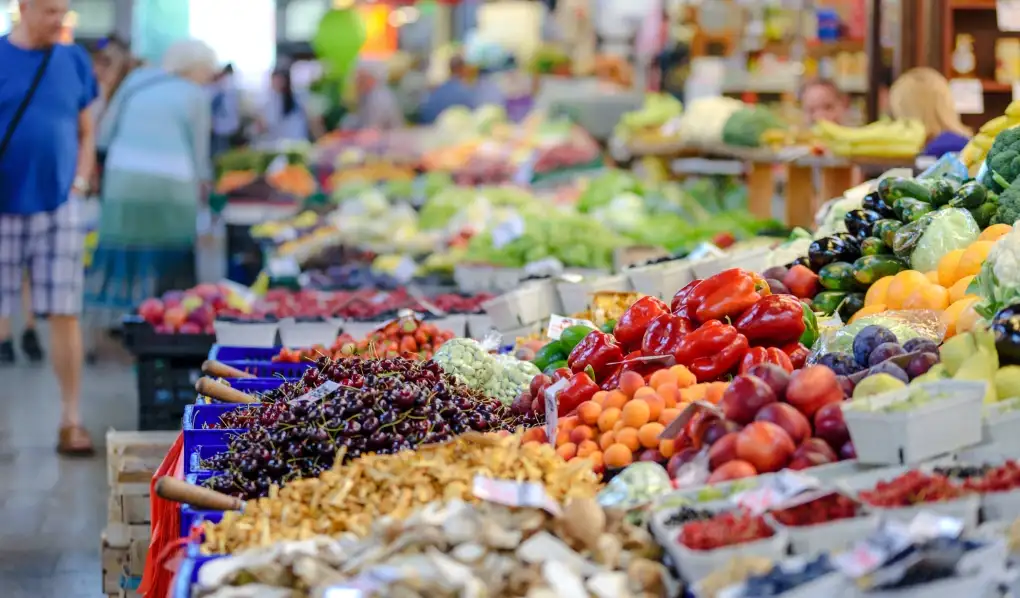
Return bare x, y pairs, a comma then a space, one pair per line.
1013, 109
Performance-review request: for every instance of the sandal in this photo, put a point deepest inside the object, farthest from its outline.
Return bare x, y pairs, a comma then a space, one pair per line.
75, 442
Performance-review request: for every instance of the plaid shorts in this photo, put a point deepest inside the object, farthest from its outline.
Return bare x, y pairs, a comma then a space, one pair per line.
50, 247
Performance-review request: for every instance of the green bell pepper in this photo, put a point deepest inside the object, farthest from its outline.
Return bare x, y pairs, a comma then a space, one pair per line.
810, 326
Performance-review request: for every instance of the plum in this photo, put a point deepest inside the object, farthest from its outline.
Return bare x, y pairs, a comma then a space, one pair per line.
920, 364
776, 377
842, 364
847, 385
888, 367
883, 352
867, 339
921, 345
744, 397
777, 288
775, 273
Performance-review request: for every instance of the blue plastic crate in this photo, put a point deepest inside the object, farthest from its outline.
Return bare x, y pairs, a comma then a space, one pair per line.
187, 571
248, 385
226, 353
199, 453
196, 435
269, 369
190, 516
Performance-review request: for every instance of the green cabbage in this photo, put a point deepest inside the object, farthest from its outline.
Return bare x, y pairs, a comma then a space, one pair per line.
950, 229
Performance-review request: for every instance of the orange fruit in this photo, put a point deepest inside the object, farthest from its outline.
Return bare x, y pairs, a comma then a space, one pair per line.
636, 413
607, 439
670, 395
932, 296
617, 455
877, 291
630, 382
615, 399
972, 258
947, 267
667, 446
582, 433
648, 435
568, 451
645, 393
968, 317
668, 415
597, 463
655, 407
932, 276
993, 232
951, 316
714, 391
589, 412
568, 423
618, 426
629, 438
867, 310
903, 286
562, 437
608, 418
586, 448
959, 289
663, 377
599, 397
534, 435
684, 377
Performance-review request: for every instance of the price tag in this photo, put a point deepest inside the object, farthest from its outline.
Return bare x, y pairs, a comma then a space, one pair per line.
526, 171
507, 231
405, 270
283, 266
869, 555
968, 96
784, 490
552, 418
320, 392
677, 425
557, 324
514, 494
1007, 15
379, 298
277, 165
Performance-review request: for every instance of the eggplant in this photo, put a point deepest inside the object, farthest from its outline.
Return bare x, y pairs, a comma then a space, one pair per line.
859, 222
853, 243
874, 202
801, 261
1006, 327
826, 250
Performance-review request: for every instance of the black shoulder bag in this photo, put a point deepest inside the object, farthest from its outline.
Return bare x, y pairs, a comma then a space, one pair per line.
20, 112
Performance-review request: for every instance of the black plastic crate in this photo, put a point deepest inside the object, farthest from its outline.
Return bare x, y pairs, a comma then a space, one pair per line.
142, 340
165, 387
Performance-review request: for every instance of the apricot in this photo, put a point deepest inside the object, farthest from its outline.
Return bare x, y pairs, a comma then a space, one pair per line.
648, 434
618, 455
630, 382
588, 412
629, 438
568, 451
608, 418
636, 413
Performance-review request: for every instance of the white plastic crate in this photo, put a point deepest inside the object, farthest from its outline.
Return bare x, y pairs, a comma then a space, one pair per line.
297, 335
473, 278
455, 323
517, 308
964, 509
1000, 424
661, 280
547, 300
506, 279
1001, 506
812, 540
577, 296
695, 565
246, 334
938, 427
479, 325
754, 260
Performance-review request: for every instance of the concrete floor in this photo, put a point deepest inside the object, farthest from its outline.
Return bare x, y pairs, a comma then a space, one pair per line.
53, 509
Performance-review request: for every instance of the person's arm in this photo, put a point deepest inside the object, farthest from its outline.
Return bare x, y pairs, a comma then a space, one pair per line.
86, 130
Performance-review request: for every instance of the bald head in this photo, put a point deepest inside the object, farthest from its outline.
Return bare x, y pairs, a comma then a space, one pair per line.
42, 21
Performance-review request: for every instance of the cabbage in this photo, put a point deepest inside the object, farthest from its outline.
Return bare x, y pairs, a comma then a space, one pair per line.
602, 189
950, 229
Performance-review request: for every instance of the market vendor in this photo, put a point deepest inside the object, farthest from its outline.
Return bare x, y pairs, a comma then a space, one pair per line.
924, 95
378, 107
821, 99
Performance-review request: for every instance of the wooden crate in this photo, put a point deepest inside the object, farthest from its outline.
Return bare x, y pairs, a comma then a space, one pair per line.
114, 562
133, 457
121, 535
129, 508
137, 553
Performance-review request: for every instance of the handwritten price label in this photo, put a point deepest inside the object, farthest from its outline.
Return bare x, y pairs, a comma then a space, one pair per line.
514, 494
320, 392
784, 490
551, 408
557, 324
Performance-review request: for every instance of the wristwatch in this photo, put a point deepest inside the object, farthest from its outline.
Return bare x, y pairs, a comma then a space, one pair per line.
80, 185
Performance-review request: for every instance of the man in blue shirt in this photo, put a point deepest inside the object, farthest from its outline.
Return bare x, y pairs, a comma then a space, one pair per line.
47, 153
454, 92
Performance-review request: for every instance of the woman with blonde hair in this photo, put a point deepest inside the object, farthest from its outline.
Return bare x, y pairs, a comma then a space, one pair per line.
923, 94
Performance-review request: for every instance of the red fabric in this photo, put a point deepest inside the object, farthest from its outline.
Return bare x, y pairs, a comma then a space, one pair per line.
166, 525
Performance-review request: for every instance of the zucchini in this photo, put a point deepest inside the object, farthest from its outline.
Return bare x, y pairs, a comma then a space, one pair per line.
851, 304
827, 301
969, 196
885, 230
837, 276
942, 190
910, 209
983, 213
874, 246
893, 188
870, 268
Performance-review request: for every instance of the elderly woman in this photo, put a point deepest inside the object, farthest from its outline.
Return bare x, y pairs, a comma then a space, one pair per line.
156, 135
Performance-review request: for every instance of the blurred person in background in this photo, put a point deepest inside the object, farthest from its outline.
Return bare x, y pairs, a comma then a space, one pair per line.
377, 105
226, 110
284, 116
156, 135
113, 62
488, 89
821, 99
47, 153
924, 95
452, 92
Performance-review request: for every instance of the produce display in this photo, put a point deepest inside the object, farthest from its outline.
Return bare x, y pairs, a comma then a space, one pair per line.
976, 150
725, 529
885, 138
194, 310
648, 124
501, 377
911, 488
408, 338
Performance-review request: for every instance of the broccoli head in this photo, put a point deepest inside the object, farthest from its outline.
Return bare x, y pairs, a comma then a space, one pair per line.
1003, 160
1008, 209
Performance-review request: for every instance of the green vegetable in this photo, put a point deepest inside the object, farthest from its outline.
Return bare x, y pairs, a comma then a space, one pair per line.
573, 335
837, 276
1008, 210
554, 351
466, 360
552, 367
509, 379
984, 213
873, 246
906, 238
885, 230
942, 190
744, 127
608, 327
1003, 161
810, 326
971, 195
910, 209
946, 230
851, 304
998, 281
826, 302
892, 188
869, 268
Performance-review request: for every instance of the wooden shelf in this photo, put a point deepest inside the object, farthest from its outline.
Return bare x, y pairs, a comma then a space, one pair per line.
972, 4
996, 87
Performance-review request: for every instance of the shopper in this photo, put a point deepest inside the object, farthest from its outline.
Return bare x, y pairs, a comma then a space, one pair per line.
453, 92
488, 90
378, 107
156, 135
923, 94
112, 62
47, 152
821, 99
284, 116
226, 111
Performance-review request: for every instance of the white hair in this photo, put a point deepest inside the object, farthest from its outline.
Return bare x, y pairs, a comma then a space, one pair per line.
188, 56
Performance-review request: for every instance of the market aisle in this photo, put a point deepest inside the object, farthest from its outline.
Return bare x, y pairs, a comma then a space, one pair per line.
53, 509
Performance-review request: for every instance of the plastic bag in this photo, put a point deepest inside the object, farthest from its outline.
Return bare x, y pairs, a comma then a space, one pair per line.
635, 486
905, 324
949, 165
946, 230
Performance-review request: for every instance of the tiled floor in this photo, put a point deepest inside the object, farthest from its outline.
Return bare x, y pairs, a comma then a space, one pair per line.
53, 509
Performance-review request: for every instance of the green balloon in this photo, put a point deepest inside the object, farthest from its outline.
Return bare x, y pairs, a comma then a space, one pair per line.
340, 36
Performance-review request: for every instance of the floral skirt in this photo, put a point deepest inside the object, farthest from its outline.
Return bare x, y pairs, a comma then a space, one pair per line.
121, 277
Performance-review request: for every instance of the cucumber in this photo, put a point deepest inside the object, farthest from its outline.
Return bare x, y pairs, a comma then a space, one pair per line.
873, 246
942, 190
827, 301
837, 276
893, 188
885, 230
910, 209
851, 304
983, 213
870, 268
969, 196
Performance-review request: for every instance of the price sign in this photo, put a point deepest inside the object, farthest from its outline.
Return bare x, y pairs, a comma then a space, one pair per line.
552, 408
320, 392
283, 266
867, 556
1007, 15
507, 231
782, 491
557, 324
514, 494
405, 270
968, 96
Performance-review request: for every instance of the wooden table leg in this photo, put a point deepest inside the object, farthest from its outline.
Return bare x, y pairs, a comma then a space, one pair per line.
835, 181
761, 189
800, 195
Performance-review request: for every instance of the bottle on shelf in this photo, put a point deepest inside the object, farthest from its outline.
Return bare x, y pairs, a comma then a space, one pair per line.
963, 55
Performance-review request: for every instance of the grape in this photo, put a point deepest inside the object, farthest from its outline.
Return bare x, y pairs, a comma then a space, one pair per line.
840, 363
921, 345
920, 364
867, 339
883, 352
888, 367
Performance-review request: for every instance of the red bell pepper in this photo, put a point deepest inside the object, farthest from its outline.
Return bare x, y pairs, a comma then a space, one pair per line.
561, 373
664, 334
631, 326
798, 354
681, 303
642, 366
712, 351
756, 355
612, 381
597, 351
773, 320
579, 389
725, 295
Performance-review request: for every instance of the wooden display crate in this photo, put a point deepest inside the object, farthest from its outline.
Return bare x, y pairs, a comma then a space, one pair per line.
114, 562
129, 508
133, 457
